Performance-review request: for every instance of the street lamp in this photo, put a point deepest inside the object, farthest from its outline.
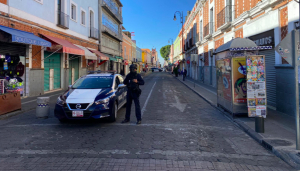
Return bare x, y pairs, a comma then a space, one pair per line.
181, 20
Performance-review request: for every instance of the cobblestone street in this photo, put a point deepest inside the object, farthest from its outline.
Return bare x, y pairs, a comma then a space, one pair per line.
179, 131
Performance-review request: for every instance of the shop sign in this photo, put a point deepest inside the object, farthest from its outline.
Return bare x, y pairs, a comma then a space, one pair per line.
284, 48
264, 39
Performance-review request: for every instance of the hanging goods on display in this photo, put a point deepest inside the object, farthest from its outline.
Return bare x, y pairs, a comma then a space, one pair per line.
256, 86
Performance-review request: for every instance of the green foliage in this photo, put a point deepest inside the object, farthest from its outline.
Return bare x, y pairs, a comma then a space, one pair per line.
165, 52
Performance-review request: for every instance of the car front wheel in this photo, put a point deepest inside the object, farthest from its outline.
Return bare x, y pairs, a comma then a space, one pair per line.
113, 113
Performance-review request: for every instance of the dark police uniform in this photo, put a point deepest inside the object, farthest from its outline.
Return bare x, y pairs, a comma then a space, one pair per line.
133, 93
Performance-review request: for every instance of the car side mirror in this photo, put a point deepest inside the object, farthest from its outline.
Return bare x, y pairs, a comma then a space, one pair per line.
121, 86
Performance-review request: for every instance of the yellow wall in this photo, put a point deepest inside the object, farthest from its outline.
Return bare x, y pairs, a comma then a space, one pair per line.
143, 57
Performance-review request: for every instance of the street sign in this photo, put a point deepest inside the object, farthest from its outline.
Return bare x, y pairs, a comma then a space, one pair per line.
284, 48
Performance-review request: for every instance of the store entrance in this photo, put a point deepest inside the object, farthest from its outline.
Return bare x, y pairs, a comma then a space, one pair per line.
52, 71
73, 69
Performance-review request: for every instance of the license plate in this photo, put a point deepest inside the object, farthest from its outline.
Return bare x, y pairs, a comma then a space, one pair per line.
77, 113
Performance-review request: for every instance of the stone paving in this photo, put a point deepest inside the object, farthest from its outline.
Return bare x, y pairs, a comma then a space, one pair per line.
180, 131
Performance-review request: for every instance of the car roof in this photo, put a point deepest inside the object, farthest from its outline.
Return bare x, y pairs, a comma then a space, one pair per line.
101, 74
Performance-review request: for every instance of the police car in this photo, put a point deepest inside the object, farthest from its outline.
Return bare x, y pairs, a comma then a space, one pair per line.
93, 96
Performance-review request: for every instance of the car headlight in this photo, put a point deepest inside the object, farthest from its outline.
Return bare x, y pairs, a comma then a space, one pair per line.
102, 101
60, 101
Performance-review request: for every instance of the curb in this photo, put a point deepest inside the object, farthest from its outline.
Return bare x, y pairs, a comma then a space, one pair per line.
257, 137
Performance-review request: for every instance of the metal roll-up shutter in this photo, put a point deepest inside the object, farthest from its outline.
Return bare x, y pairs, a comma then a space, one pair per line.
52, 71
270, 76
12, 49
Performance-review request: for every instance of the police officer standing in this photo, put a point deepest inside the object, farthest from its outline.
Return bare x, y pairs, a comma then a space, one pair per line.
132, 81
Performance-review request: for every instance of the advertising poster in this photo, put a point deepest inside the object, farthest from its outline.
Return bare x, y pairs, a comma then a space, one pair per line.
251, 94
239, 73
220, 71
251, 102
261, 111
260, 101
226, 80
256, 86
260, 85
226, 87
251, 111
251, 85
260, 94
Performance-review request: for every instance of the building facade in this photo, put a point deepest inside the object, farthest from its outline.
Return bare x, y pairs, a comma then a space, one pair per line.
66, 41
127, 52
212, 23
110, 22
139, 59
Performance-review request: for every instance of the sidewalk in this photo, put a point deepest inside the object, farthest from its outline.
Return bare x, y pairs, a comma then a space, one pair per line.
29, 103
279, 136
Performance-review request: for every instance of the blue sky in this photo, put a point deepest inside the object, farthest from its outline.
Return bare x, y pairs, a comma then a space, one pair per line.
152, 21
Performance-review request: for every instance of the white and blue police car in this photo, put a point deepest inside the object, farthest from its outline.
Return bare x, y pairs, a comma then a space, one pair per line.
93, 96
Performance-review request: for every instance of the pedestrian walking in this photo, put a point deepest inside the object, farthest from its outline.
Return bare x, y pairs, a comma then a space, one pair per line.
184, 74
179, 71
133, 80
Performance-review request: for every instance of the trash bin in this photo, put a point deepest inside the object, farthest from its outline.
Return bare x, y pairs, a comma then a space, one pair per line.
43, 108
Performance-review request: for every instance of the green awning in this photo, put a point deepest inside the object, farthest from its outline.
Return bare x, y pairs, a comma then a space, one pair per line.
111, 58
119, 57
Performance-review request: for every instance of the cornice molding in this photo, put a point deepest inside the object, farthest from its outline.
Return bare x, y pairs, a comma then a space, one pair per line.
218, 32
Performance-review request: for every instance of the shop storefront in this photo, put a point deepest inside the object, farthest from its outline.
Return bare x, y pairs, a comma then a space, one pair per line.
267, 39
13, 58
54, 64
14, 73
101, 59
52, 71
90, 58
74, 64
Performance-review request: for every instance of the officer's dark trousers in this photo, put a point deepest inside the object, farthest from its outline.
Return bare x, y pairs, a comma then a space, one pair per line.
133, 96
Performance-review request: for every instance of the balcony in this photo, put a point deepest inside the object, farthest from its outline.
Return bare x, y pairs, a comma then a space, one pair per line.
63, 20
111, 31
109, 50
208, 30
94, 33
113, 10
225, 17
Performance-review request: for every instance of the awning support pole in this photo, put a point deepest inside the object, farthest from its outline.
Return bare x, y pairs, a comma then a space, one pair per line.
52, 53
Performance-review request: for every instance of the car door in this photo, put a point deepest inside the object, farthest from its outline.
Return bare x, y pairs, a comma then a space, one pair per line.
118, 92
124, 89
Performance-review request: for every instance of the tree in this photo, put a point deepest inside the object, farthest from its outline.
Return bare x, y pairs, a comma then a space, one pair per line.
165, 52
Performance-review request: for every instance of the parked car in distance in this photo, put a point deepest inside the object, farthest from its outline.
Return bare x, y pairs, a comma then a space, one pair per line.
92, 96
155, 70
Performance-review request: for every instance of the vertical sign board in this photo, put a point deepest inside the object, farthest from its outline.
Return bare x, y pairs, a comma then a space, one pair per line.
256, 86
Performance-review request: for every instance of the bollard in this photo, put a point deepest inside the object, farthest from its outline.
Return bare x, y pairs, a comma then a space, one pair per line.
43, 108
259, 124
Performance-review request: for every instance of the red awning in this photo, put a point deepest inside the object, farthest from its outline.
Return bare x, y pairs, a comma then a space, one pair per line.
66, 47
100, 55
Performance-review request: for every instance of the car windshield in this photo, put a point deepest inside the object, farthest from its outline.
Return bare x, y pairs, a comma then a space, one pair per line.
93, 82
